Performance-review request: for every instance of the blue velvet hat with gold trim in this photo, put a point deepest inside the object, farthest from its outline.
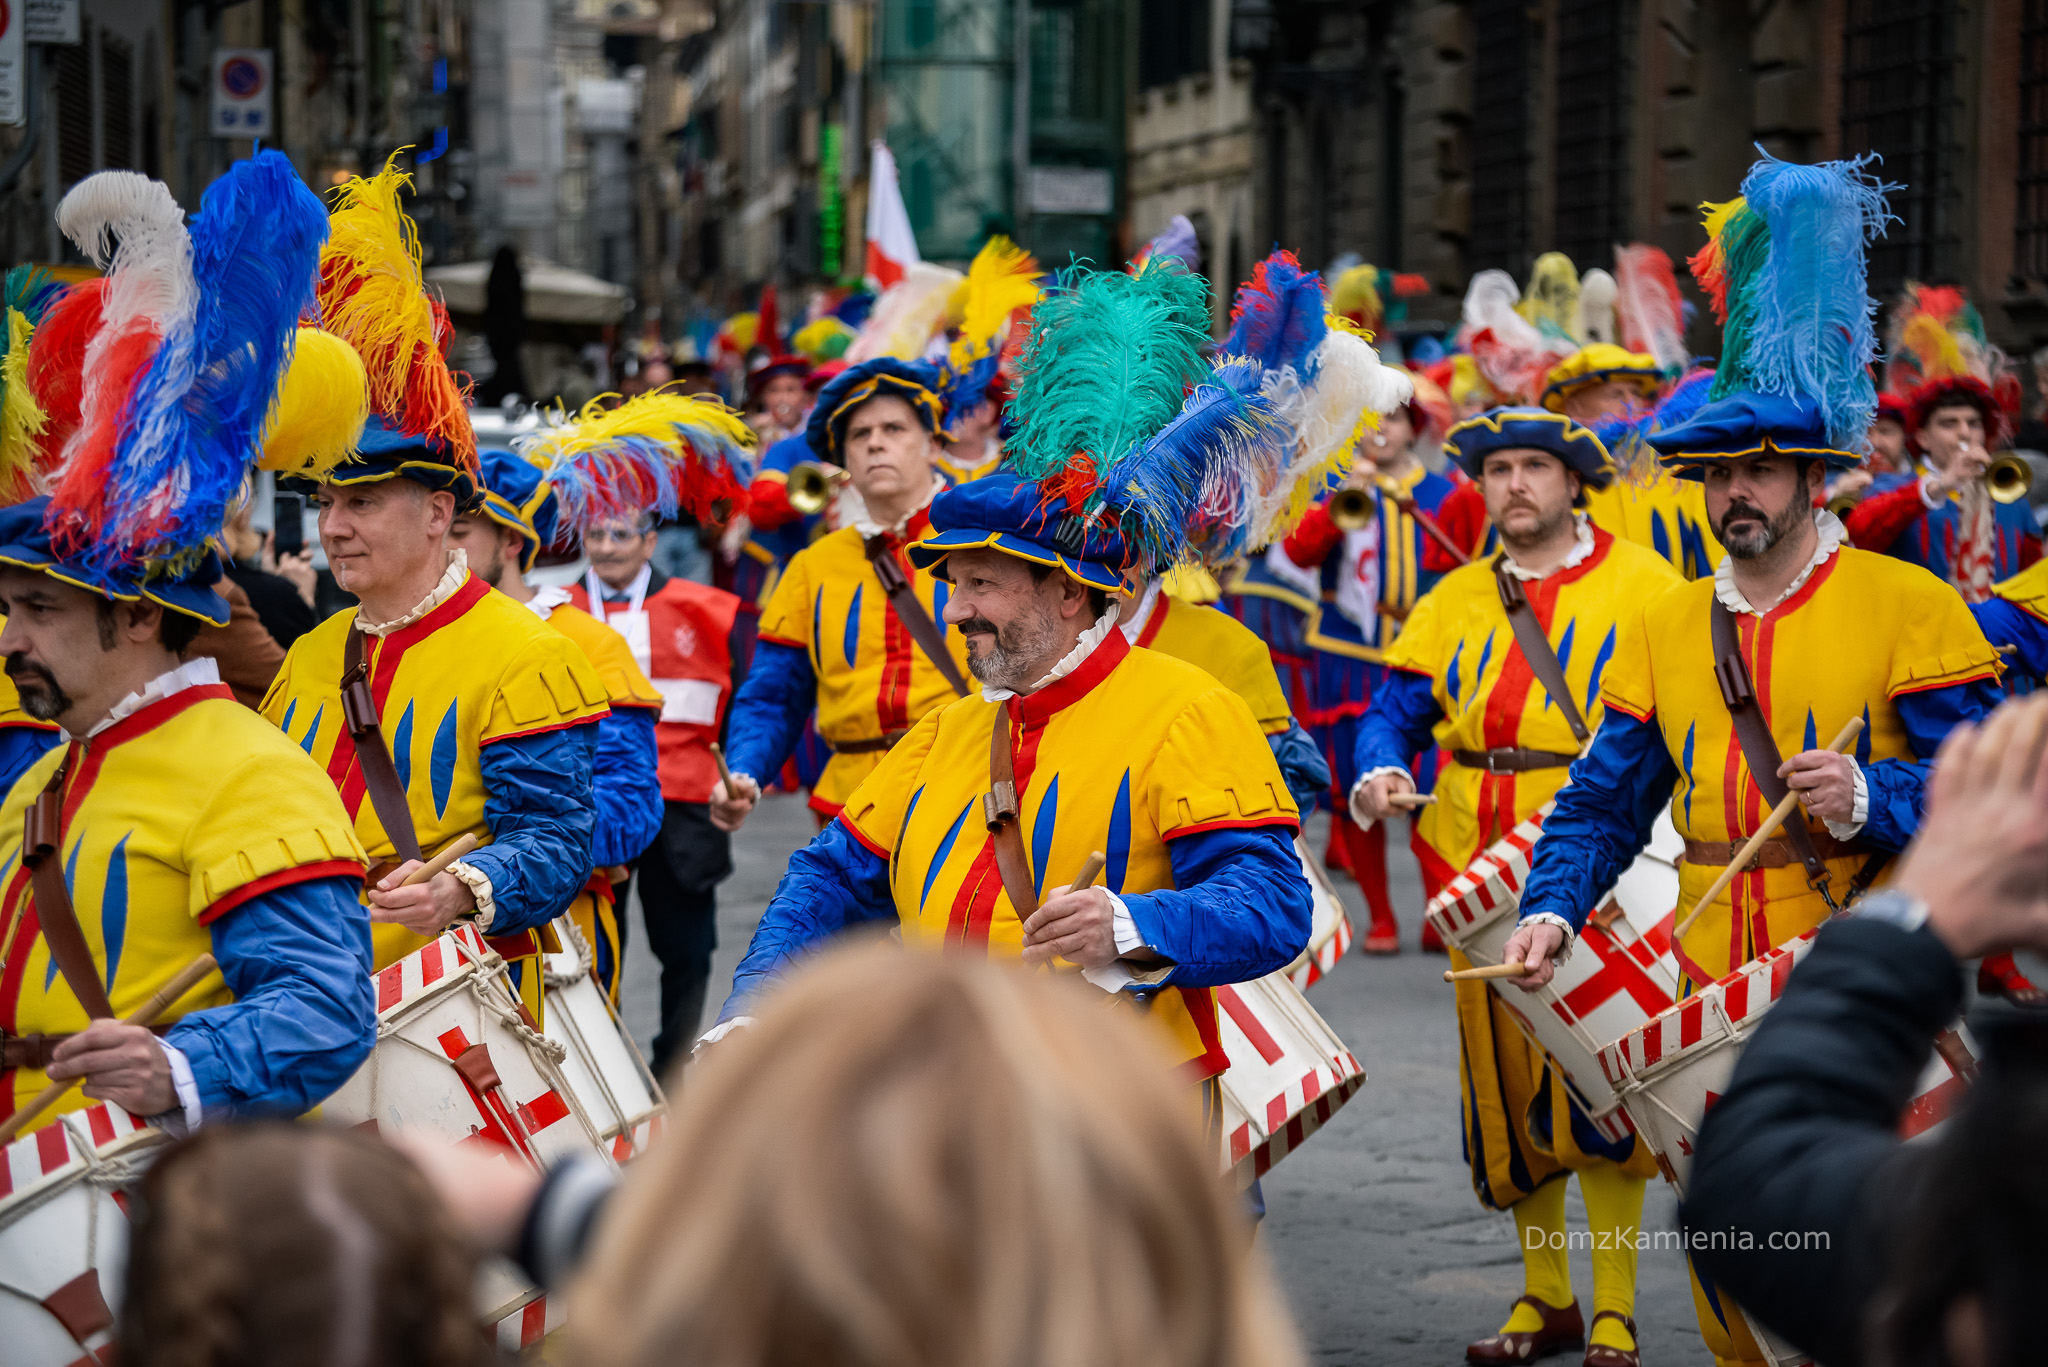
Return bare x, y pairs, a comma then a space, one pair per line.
916, 383
518, 497
1004, 513
1783, 269
1530, 428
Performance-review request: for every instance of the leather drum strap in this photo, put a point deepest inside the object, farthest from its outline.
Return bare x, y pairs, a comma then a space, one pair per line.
930, 639
1005, 829
380, 776
42, 839
1535, 647
1759, 747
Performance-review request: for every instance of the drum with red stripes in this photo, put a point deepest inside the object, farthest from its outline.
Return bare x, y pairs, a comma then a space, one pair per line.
458, 1058
1329, 936
1672, 1068
64, 1234
1620, 971
1288, 1073
600, 1062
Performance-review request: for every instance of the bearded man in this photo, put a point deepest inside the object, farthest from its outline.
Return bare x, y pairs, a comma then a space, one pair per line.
972, 828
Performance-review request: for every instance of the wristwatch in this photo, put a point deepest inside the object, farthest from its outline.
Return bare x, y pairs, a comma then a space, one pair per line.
1893, 907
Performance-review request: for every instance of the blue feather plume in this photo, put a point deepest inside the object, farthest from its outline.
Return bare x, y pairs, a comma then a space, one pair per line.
1278, 317
1624, 434
195, 421
1809, 312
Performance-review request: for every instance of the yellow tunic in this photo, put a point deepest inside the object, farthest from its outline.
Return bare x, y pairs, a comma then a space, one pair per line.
173, 816
1128, 751
476, 669
1663, 512
1225, 648
873, 680
1862, 631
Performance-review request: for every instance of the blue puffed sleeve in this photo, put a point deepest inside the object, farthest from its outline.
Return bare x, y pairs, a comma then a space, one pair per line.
1302, 766
833, 883
21, 746
304, 1016
768, 712
2009, 624
626, 785
541, 815
1399, 724
1897, 788
1238, 909
1585, 847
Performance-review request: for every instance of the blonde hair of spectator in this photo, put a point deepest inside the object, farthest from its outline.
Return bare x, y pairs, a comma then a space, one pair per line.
926, 1160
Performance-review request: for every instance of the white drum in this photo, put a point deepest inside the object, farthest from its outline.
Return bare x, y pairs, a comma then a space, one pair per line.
458, 1059
1672, 1067
64, 1233
1620, 972
1288, 1073
1329, 936
600, 1063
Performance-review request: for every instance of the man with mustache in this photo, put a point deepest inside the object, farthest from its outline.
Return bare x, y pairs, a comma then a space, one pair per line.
854, 629
1108, 748
1459, 676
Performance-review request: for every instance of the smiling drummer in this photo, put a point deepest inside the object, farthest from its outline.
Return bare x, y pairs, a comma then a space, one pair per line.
1511, 693
171, 821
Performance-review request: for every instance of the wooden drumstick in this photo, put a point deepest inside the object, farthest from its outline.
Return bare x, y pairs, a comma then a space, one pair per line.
1770, 828
1088, 872
1411, 801
452, 851
1517, 969
144, 1015
724, 773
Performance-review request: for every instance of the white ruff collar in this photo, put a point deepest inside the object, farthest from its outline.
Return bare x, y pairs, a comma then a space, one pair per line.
1071, 661
451, 580
200, 669
1832, 533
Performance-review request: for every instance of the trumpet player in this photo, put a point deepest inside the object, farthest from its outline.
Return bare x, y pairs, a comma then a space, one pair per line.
1361, 553
853, 630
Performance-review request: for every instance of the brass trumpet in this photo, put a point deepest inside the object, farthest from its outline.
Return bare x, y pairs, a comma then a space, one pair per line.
1350, 509
1840, 504
2009, 479
812, 485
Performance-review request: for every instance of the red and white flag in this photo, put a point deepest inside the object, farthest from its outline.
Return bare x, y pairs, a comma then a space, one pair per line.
892, 248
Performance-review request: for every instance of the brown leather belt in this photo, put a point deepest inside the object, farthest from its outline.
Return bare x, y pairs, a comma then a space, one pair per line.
34, 1051
1775, 853
867, 747
1510, 761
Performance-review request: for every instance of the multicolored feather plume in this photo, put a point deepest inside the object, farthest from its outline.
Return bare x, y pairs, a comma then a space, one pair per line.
56, 364
151, 482
1002, 280
1784, 267
663, 452
1648, 309
373, 297
1353, 388
907, 315
1510, 352
27, 295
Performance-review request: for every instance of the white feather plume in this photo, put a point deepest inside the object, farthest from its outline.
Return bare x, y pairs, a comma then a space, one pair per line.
1350, 381
1596, 306
906, 316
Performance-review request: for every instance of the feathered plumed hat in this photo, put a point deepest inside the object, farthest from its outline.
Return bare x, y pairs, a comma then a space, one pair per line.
184, 341
1470, 442
1783, 269
1513, 355
1938, 354
26, 296
661, 452
914, 382
1001, 282
1598, 363
373, 297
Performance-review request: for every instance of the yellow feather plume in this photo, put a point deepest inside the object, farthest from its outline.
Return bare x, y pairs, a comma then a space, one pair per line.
1551, 301
1002, 279
373, 297
21, 418
321, 407
1356, 294
1934, 346
660, 415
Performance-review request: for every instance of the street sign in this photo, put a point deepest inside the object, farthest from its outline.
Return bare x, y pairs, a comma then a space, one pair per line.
13, 66
241, 92
50, 21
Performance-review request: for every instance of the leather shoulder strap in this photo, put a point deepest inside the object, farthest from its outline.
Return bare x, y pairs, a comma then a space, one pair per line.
42, 840
1005, 829
911, 613
1535, 647
380, 776
1759, 746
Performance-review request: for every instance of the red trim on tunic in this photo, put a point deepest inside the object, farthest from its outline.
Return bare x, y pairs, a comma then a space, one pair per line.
1158, 620
822, 806
1985, 673
1064, 692
283, 878
1250, 823
774, 640
858, 834
539, 730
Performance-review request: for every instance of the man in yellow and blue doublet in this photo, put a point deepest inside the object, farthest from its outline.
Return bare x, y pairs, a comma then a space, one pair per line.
1112, 749
486, 711
1458, 678
831, 639
1824, 633
519, 518
1596, 386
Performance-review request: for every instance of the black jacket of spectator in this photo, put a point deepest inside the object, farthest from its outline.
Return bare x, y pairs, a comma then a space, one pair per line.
1805, 1142
283, 613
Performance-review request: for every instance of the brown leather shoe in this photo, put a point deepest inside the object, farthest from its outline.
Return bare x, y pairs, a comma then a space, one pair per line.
1598, 1355
1563, 1329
